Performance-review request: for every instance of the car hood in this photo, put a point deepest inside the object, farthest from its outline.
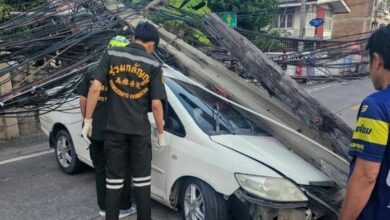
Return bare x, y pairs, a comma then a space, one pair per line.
271, 152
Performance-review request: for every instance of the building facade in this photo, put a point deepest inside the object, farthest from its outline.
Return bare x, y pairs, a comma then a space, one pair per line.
365, 16
288, 17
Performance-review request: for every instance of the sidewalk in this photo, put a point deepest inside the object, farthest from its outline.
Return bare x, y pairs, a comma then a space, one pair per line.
24, 145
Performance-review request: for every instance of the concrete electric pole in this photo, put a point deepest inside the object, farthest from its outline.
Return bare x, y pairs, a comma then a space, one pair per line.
303, 19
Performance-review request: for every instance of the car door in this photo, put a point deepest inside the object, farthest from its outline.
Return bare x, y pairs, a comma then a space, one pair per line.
173, 128
73, 121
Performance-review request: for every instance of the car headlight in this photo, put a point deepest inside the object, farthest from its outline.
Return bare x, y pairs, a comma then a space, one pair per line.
271, 188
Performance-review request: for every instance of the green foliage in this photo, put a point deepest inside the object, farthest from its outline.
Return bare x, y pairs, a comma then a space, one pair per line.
251, 14
7, 6
4, 6
176, 23
20, 5
267, 43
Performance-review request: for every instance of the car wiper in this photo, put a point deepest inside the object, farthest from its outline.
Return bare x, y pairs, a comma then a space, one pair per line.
216, 114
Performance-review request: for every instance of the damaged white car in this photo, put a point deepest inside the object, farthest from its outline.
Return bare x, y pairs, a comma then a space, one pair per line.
222, 161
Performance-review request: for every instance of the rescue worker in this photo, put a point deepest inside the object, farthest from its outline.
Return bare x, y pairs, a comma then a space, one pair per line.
368, 190
96, 149
135, 85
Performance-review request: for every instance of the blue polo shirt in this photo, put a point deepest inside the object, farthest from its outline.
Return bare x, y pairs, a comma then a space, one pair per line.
370, 142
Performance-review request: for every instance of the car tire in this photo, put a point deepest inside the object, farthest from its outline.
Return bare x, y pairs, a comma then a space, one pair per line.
199, 201
65, 153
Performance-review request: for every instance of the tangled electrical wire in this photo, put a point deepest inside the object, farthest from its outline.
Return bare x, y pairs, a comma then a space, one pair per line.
344, 53
51, 47
45, 52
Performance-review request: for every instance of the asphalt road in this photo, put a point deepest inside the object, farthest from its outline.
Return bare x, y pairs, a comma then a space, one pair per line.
35, 188
343, 97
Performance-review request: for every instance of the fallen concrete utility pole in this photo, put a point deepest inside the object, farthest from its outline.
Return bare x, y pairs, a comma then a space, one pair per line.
208, 71
323, 122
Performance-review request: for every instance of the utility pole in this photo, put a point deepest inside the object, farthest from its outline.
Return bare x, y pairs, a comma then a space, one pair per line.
303, 19
9, 127
323, 122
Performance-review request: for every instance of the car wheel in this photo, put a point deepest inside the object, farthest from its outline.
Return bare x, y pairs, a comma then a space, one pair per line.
65, 153
199, 201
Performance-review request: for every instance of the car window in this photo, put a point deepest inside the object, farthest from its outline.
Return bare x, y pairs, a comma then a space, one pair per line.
173, 123
213, 114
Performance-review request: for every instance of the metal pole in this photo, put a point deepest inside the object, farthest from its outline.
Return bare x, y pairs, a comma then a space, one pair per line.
303, 19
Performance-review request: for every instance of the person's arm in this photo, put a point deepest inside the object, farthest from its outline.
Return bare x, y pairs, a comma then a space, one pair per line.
99, 77
359, 188
93, 97
83, 105
367, 148
83, 91
158, 113
157, 93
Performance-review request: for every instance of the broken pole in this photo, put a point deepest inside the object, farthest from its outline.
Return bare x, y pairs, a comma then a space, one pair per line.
335, 132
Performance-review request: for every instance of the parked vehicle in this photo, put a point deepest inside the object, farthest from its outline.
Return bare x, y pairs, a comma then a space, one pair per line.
219, 162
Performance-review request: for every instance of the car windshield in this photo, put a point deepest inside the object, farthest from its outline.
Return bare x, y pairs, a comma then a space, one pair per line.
213, 114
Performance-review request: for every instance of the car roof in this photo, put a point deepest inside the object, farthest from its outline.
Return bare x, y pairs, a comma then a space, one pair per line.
174, 74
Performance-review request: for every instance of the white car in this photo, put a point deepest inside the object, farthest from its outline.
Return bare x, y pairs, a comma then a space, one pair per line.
218, 164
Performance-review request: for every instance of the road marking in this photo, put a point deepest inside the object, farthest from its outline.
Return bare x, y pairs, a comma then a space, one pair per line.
26, 157
316, 89
355, 107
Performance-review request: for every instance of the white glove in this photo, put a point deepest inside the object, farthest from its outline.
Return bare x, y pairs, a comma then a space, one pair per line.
87, 130
160, 142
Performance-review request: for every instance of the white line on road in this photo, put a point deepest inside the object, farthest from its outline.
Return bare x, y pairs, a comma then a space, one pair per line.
316, 89
26, 157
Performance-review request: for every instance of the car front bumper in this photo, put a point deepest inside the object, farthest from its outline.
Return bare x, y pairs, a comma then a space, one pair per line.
248, 207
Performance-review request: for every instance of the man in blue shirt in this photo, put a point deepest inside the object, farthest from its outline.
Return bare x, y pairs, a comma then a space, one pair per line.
368, 190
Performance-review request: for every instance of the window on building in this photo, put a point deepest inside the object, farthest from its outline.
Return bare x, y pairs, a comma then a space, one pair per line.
311, 11
285, 18
328, 20
310, 17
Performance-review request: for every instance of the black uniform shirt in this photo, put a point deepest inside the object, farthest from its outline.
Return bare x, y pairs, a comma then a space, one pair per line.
133, 78
100, 114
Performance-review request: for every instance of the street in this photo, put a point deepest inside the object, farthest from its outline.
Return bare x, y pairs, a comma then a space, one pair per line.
36, 188
342, 97
244, 110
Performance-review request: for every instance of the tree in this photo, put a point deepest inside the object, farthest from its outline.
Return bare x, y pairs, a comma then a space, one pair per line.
269, 41
6, 6
251, 14
21, 5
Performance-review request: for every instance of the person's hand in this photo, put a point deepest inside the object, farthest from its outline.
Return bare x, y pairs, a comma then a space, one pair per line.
87, 130
160, 142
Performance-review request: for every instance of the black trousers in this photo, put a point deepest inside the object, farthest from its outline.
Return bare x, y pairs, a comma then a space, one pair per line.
96, 151
124, 153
